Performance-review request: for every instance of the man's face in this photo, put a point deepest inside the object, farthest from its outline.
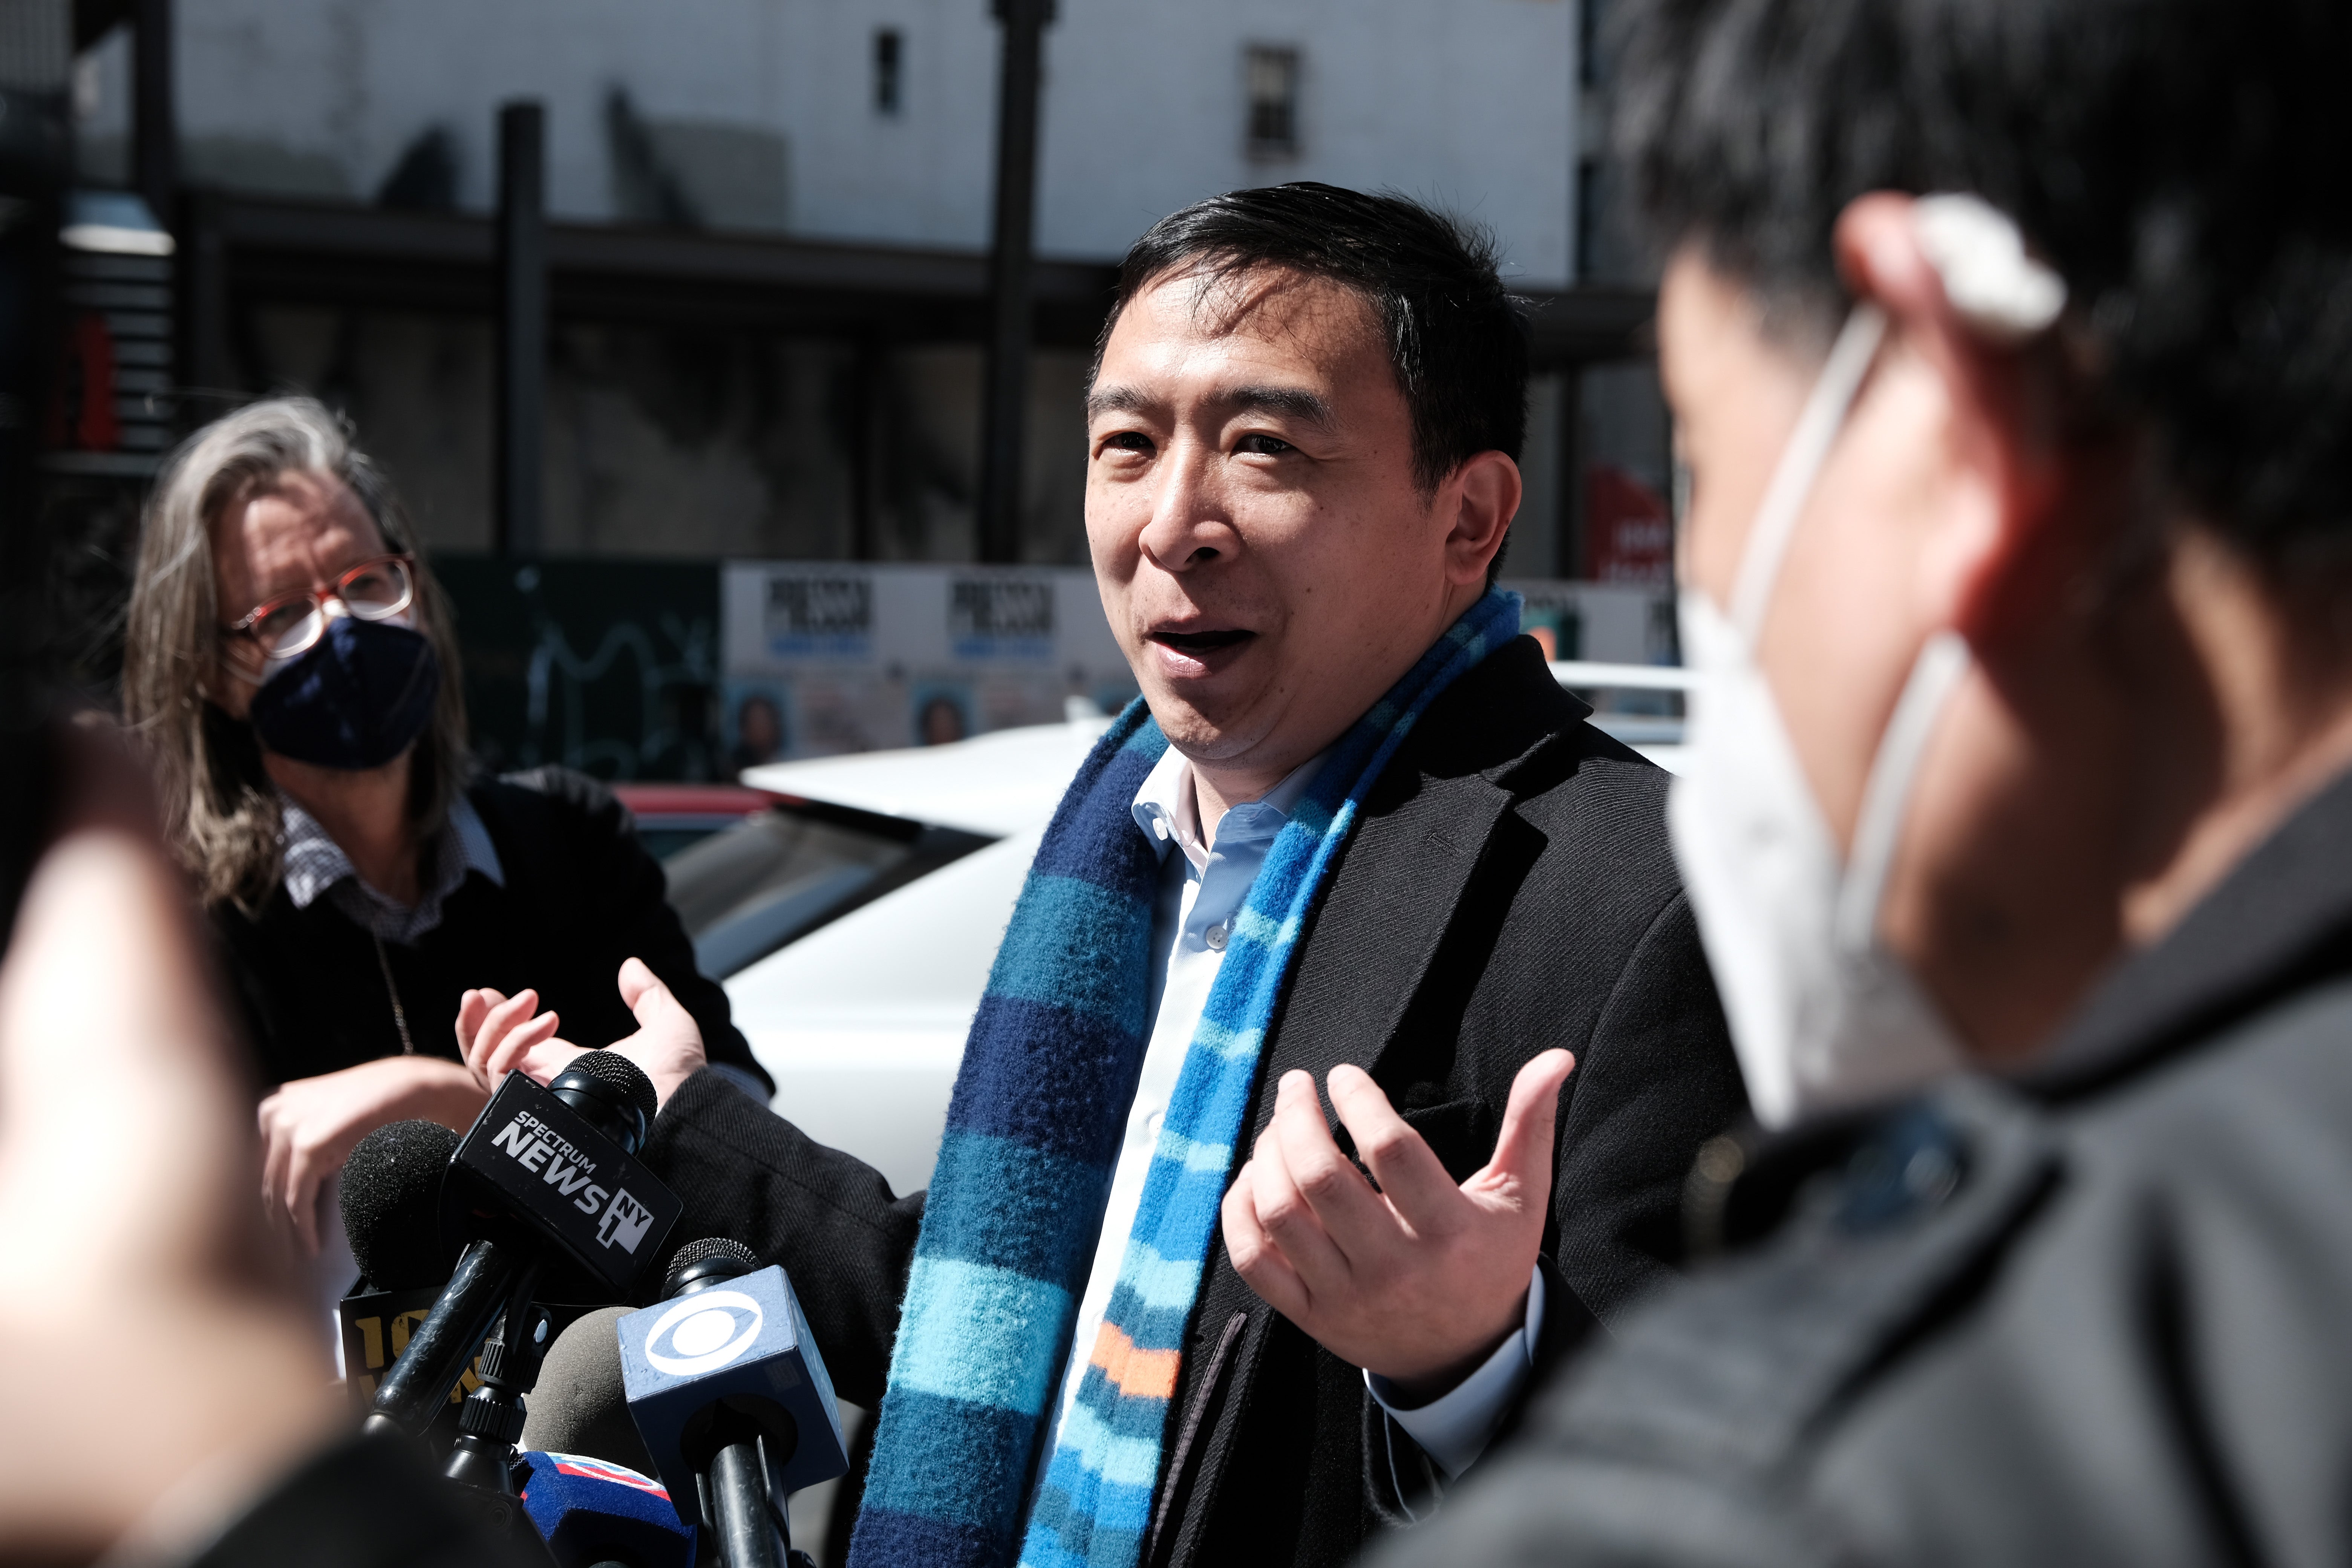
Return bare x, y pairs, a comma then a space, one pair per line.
1266, 560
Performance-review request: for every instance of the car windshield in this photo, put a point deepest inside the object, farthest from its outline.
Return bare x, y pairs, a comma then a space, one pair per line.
776, 876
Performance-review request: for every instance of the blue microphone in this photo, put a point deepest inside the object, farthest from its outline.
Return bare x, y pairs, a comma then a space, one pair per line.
591, 1511
731, 1398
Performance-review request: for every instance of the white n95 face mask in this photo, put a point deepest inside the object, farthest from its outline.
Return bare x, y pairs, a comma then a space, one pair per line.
1822, 1014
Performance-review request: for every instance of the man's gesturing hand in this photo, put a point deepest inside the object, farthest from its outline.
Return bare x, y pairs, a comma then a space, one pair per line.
1419, 1281
499, 1035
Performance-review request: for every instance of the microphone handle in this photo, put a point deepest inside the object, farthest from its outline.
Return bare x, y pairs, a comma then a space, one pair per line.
748, 1533
419, 1383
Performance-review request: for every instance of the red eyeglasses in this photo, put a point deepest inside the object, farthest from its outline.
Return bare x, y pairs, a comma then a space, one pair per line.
376, 590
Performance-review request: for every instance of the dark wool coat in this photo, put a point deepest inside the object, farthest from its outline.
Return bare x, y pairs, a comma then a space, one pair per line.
581, 896
1510, 889
2094, 1313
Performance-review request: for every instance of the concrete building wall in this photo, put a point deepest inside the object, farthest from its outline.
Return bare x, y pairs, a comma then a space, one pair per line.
764, 115
1467, 103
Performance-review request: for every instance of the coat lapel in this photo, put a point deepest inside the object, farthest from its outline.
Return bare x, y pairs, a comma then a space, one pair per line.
1364, 959
1426, 829
1380, 928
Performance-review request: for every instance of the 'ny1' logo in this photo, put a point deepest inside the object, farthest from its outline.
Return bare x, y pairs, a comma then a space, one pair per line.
625, 1222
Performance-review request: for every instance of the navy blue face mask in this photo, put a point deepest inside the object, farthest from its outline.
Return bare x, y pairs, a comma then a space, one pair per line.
355, 700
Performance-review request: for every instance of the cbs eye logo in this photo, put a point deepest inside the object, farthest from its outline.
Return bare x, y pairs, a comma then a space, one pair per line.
704, 1333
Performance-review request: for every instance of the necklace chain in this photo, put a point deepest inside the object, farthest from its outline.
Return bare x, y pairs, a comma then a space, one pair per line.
399, 1017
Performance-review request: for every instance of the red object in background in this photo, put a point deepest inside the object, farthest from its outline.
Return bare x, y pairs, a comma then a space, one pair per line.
1629, 533
663, 800
83, 418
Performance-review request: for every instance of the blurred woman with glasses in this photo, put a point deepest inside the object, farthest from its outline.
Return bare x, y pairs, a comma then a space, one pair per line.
291, 665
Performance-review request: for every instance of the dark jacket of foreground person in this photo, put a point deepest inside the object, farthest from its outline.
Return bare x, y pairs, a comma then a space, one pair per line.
1510, 890
2095, 1314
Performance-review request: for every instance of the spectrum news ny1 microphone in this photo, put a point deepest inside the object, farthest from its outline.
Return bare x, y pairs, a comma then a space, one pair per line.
545, 1176
728, 1389
393, 1215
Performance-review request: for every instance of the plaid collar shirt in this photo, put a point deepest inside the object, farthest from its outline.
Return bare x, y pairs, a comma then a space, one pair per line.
316, 867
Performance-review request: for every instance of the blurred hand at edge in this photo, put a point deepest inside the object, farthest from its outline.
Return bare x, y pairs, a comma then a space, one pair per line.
161, 1366
500, 1035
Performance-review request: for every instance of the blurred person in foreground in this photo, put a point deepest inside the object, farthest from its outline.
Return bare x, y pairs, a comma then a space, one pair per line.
160, 1404
1354, 837
2011, 346
291, 667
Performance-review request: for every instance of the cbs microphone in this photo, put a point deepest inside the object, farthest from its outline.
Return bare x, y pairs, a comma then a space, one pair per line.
732, 1399
553, 1171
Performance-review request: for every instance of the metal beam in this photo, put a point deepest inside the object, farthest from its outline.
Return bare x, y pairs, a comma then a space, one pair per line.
317, 253
349, 256
1590, 324
1568, 547
154, 118
521, 411
1005, 413
204, 348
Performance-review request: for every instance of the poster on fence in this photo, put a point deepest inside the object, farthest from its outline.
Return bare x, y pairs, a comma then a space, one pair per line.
821, 658
695, 670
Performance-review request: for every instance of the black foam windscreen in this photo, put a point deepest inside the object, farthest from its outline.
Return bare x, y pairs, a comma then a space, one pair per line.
702, 1251
392, 1206
613, 1067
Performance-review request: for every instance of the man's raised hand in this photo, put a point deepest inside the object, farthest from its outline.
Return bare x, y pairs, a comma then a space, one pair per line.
1418, 1280
499, 1035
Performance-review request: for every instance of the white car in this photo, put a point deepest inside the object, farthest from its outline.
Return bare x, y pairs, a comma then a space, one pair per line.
853, 925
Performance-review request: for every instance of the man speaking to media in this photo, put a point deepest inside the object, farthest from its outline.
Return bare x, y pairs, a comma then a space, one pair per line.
1151, 1310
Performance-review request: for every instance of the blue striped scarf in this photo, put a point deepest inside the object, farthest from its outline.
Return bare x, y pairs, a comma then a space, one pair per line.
1015, 1206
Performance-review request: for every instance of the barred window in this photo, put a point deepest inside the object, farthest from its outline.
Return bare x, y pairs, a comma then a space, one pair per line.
889, 55
1271, 72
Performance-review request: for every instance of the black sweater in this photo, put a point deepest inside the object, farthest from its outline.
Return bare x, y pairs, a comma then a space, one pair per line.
581, 896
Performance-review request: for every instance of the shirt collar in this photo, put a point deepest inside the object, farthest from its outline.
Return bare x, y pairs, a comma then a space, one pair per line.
1167, 811
473, 840
316, 865
313, 862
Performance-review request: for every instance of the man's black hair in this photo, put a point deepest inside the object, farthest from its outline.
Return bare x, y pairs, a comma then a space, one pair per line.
2185, 164
1456, 338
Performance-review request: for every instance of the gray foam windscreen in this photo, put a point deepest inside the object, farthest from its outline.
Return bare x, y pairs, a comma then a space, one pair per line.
580, 1406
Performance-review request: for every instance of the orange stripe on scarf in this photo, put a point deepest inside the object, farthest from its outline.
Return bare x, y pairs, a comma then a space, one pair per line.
1140, 1375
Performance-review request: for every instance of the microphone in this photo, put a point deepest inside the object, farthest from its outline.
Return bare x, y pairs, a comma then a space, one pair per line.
555, 1169
392, 1206
732, 1398
593, 1512
392, 1213
405, 1237
580, 1406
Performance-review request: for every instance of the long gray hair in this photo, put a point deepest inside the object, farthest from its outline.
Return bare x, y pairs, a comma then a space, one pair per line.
220, 813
